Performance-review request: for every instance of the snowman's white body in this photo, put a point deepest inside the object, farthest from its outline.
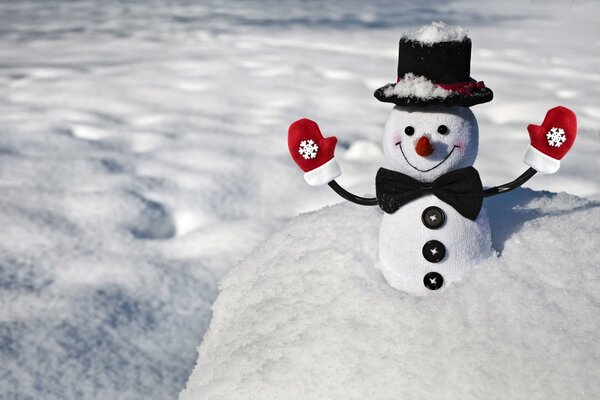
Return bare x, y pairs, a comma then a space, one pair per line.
403, 233
402, 236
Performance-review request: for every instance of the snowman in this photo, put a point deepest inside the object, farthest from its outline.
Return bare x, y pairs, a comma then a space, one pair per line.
434, 228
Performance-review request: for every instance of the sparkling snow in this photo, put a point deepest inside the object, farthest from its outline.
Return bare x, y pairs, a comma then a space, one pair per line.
436, 32
143, 154
416, 86
307, 316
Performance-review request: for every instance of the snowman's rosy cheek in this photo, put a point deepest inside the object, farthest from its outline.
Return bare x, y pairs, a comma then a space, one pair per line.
459, 147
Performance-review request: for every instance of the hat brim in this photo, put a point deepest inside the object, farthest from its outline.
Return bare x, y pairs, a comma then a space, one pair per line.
477, 96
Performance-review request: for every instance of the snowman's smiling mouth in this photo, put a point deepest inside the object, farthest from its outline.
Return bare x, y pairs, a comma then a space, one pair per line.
399, 144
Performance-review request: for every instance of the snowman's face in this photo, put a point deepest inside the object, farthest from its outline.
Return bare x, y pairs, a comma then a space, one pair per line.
426, 142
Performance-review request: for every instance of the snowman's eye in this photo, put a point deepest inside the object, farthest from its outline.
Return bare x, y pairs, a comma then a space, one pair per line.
443, 129
409, 130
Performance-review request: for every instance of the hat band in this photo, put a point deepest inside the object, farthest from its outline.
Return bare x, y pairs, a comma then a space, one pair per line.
465, 88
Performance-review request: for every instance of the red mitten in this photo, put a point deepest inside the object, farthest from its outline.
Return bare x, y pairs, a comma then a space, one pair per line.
312, 152
552, 140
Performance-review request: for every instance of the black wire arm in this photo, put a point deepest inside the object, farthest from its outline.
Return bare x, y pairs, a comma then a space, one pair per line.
507, 187
363, 201
372, 201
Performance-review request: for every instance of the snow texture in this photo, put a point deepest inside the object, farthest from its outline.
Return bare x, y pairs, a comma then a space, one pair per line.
420, 87
306, 315
436, 32
143, 155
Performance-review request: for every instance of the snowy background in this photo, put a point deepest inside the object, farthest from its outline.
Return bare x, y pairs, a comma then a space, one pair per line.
143, 155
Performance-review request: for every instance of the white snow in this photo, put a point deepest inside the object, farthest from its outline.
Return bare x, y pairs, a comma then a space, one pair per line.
420, 87
436, 32
307, 316
131, 179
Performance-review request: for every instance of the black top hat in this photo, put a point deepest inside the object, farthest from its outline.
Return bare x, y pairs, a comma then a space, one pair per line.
436, 73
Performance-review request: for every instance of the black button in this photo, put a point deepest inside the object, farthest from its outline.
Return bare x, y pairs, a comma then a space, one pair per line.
433, 217
434, 251
433, 280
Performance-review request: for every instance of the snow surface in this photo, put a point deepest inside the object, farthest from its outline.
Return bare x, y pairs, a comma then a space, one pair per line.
143, 154
307, 316
412, 85
436, 32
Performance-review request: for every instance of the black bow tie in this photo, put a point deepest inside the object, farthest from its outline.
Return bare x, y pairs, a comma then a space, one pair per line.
461, 189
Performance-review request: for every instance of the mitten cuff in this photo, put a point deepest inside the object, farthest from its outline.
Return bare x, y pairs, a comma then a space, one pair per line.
542, 163
323, 174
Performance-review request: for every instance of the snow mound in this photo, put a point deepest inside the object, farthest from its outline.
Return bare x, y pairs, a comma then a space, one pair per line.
308, 317
436, 32
420, 87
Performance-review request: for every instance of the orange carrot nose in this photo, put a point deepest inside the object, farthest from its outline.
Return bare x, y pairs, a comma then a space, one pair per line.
423, 147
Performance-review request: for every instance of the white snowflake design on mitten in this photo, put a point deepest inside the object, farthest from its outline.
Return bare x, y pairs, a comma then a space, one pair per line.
308, 149
556, 137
